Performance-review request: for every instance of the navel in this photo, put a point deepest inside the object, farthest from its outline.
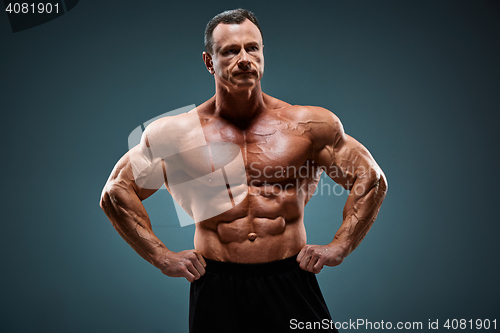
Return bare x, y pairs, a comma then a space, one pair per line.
252, 236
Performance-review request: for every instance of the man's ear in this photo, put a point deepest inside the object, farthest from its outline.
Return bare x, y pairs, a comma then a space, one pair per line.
207, 59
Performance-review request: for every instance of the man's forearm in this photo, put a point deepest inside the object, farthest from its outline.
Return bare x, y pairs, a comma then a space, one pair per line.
360, 211
129, 217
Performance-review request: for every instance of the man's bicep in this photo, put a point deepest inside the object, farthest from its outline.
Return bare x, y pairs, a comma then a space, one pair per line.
329, 146
350, 161
145, 169
137, 172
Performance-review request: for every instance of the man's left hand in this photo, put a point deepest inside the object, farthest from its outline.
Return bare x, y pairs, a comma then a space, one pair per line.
312, 258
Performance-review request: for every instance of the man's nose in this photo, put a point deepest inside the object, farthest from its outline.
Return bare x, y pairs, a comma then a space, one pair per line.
244, 61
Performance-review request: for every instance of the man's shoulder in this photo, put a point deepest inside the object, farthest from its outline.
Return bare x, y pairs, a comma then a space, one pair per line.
181, 123
322, 125
311, 115
175, 133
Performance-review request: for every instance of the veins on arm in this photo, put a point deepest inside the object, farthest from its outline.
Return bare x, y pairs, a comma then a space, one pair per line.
349, 163
121, 200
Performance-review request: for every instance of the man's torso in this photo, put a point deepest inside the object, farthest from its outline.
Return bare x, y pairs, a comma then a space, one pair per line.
267, 223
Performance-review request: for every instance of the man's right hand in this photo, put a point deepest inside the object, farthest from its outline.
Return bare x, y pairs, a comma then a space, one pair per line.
189, 264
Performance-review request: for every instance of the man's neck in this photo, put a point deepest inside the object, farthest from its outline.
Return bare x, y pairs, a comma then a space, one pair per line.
239, 107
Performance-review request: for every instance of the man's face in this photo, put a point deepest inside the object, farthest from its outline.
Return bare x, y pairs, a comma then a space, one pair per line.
238, 60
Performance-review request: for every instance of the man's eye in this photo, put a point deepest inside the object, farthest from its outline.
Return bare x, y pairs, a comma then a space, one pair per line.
231, 51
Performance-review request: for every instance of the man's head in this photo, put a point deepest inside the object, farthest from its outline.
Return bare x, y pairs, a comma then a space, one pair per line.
233, 43
235, 16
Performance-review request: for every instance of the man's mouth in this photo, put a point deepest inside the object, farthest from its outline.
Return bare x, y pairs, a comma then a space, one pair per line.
244, 72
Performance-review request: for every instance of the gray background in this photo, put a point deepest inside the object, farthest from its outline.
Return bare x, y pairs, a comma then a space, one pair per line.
417, 82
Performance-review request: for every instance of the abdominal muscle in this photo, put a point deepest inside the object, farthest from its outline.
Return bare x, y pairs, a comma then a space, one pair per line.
264, 227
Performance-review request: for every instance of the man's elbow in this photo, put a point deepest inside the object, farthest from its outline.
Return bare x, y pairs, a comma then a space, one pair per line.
104, 199
110, 194
381, 183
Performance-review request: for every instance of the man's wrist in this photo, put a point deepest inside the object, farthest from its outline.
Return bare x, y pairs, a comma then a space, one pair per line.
339, 248
160, 257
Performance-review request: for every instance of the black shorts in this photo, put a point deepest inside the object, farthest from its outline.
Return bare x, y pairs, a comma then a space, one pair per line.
268, 297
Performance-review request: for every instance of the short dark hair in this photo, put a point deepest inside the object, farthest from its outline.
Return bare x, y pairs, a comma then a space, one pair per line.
234, 16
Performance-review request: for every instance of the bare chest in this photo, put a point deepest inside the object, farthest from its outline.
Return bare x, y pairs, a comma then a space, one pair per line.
272, 149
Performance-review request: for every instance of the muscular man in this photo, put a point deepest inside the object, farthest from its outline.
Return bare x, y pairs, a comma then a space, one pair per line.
251, 268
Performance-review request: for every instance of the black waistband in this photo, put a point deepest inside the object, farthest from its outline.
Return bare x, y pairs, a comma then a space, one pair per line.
267, 268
